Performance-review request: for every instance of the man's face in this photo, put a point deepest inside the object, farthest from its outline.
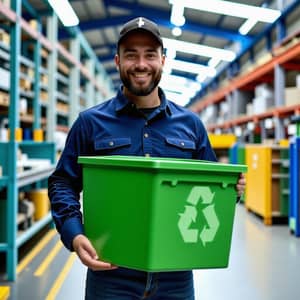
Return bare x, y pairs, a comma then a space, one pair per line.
140, 62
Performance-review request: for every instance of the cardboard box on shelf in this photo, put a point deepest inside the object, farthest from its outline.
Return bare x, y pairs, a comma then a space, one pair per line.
44, 96
4, 98
23, 105
33, 24
264, 90
261, 104
25, 84
263, 59
63, 68
249, 109
5, 78
4, 37
292, 96
62, 107
44, 79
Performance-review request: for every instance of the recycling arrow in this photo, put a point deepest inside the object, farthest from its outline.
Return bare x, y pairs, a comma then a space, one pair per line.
208, 233
188, 217
198, 192
185, 221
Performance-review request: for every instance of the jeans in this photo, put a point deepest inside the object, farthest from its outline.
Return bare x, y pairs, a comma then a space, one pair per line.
125, 284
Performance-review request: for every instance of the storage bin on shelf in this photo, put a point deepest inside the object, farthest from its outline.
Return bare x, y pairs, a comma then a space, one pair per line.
40, 200
267, 181
221, 144
159, 214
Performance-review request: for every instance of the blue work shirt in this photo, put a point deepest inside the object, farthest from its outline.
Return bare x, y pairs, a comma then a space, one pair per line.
117, 127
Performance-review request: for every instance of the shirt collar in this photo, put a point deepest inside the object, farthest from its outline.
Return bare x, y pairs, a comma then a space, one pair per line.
122, 104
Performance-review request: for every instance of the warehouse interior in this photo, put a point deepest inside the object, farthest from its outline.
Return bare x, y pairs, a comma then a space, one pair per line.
236, 64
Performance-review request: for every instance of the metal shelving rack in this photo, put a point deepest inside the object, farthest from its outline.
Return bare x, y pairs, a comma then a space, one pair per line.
273, 69
244, 80
93, 72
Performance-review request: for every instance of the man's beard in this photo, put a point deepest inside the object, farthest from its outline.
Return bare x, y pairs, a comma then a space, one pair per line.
140, 91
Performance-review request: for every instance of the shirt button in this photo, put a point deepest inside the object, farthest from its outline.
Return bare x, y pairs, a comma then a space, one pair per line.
146, 123
182, 143
111, 143
147, 155
146, 135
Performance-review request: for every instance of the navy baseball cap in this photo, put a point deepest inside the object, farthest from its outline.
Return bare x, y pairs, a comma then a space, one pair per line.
140, 23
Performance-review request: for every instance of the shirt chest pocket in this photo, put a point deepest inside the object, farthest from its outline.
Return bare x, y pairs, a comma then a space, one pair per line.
180, 148
113, 146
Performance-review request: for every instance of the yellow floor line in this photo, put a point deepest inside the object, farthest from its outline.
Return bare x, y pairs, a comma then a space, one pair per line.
61, 278
40, 245
4, 292
47, 261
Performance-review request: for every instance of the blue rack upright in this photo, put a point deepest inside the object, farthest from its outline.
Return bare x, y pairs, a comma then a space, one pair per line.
294, 203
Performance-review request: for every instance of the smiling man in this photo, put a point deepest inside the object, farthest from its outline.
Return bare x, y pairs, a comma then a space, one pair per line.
140, 61
138, 121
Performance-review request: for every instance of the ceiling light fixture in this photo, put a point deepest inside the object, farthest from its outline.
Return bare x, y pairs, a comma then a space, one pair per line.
201, 50
177, 14
65, 12
179, 89
180, 99
201, 77
170, 53
176, 31
247, 26
178, 82
232, 9
190, 67
213, 62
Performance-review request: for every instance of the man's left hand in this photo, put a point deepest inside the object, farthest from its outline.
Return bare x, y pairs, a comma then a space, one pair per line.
241, 184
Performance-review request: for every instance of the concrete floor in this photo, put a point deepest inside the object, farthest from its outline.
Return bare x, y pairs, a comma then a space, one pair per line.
264, 265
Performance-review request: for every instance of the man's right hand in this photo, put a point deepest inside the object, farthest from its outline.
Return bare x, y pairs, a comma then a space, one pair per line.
88, 256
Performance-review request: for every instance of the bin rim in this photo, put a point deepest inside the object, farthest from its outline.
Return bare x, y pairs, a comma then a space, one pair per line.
161, 163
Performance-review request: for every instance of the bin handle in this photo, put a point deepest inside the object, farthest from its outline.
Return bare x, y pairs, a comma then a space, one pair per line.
175, 182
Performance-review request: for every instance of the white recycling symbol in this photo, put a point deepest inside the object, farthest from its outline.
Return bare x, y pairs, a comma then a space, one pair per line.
208, 233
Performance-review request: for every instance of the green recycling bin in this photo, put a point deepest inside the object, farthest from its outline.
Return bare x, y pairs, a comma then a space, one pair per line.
159, 214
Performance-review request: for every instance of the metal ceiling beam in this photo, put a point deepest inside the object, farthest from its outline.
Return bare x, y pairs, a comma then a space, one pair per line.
105, 58
161, 17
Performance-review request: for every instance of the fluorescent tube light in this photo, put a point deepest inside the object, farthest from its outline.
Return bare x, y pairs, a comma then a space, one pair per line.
232, 9
180, 99
171, 53
65, 12
177, 15
213, 62
247, 26
186, 92
179, 83
201, 77
201, 50
179, 89
190, 67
